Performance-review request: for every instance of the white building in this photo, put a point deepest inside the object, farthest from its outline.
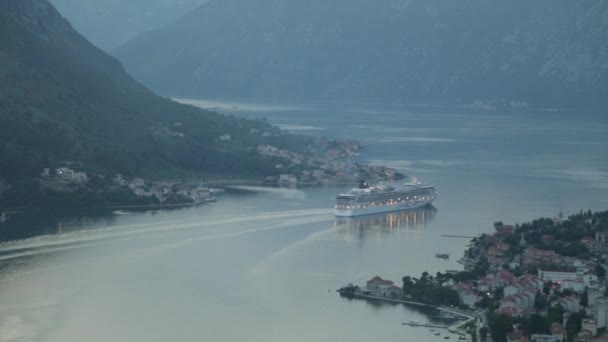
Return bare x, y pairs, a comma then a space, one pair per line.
542, 338
590, 279
557, 276
469, 297
378, 286
286, 179
601, 312
589, 325
574, 285
593, 294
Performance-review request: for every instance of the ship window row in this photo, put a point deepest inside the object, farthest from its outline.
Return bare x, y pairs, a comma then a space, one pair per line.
392, 195
349, 206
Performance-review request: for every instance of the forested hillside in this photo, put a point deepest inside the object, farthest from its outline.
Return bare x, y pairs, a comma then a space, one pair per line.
65, 102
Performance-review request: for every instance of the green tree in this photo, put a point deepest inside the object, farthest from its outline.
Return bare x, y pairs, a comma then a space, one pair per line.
573, 326
601, 271
540, 302
537, 325
500, 326
483, 333
555, 314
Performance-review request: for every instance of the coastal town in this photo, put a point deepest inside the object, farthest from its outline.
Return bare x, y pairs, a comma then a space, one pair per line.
540, 281
324, 162
327, 161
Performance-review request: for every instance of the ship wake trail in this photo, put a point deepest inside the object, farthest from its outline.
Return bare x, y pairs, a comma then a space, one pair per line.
219, 225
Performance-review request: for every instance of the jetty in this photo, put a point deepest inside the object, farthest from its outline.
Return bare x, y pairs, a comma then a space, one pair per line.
457, 236
414, 324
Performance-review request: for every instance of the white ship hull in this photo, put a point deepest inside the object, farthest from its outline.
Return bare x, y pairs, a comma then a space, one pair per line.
382, 208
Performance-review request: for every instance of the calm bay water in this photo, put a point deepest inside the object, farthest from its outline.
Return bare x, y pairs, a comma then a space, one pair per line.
262, 264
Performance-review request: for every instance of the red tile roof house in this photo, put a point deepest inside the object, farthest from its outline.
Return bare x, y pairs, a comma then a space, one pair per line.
509, 311
527, 286
534, 256
505, 277
381, 287
377, 283
493, 281
504, 230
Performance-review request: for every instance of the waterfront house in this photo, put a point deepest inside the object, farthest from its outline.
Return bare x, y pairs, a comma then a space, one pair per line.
288, 179
381, 287
393, 292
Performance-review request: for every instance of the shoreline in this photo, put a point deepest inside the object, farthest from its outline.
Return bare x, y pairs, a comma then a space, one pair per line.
451, 328
223, 183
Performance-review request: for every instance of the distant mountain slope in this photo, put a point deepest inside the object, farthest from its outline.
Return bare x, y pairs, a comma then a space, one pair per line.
545, 52
110, 23
62, 99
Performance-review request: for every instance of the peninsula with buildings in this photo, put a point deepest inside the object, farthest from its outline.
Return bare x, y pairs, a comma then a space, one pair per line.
541, 281
76, 184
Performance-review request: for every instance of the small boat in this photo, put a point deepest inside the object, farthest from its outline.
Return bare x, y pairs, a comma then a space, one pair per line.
446, 337
412, 323
442, 255
437, 333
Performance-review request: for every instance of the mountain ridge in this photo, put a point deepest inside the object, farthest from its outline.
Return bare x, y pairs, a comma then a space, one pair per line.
110, 23
546, 54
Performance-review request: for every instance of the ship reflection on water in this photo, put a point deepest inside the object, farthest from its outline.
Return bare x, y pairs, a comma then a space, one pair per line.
408, 222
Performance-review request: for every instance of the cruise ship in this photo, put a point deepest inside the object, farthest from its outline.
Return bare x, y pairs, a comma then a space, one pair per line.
383, 198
